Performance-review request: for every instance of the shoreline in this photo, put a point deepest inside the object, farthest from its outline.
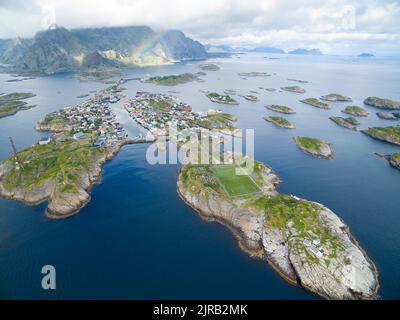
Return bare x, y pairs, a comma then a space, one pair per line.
97, 178
260, 250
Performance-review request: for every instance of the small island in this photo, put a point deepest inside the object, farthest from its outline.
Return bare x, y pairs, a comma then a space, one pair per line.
366, 55
387, 134
209, 67
316, 103
356, 111
394, 160
315, 147
386, 116
222, 99
254, 74
281, 109
173, 80
11, 103
280, 122
251, 98
336, 97
348, 123
295, 89
304, 241
382, 103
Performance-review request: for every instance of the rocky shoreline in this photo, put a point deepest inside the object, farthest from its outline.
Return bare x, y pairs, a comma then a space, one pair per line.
63, 205
358, 279
394, 160
324, 151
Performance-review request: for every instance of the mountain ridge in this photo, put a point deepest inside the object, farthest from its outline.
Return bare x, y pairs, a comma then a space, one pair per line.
61, 50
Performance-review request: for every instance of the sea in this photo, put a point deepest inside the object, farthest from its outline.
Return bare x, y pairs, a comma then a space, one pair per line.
137, 240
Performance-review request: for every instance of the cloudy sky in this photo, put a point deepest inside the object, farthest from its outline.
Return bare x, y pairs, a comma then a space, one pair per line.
335, 26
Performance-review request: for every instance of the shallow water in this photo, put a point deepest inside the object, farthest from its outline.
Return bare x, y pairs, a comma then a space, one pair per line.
136, 239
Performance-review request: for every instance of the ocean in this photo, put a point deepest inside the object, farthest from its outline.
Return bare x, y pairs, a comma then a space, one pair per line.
137, 240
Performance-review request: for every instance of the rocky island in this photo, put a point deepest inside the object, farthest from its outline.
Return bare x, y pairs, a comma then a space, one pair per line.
305, 242
387, 134
316, 103
315, 147
295, 89
382, 103
281, 109
336, 97
222, 99
11, 103
356, 111
386, 116
254, 74
280, 122
209, 67
348, 123
173, 80
251, 98
394, 160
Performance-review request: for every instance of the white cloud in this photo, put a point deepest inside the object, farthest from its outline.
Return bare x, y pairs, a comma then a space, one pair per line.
335, 25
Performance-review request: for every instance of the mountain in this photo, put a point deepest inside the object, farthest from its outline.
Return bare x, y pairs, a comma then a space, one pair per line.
366, 55
58, 49
268, 50
313, 52
219, 48
11, 50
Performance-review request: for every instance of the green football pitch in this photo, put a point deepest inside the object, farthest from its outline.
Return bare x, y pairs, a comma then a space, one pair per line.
234, 184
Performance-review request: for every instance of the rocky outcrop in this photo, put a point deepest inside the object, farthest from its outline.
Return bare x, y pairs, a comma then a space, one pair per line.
336, 98
347, 123
349, 275
318, 148
394, 160
387, 134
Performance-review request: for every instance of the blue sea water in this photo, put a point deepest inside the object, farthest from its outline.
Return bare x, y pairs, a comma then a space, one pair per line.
137, 240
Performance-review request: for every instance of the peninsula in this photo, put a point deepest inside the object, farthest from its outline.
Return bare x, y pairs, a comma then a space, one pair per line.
11, 103
387, 134
305, 242
315, 147
280, 122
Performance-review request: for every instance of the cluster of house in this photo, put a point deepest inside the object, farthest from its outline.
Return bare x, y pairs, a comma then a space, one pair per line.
93, 116
157, 112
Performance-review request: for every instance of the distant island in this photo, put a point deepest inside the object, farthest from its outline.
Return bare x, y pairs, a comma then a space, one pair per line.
336, 97
387, 134
280, 122
223, 99
315, 147
11, 103
281, 109
295, 89
366, 55
172, 80
309, 52
209, 67
316, 103
356, 111
268, 50
348, 123
382, 103
305, 242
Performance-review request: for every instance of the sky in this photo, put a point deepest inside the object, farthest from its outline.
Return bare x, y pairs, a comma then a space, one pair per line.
334, 26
